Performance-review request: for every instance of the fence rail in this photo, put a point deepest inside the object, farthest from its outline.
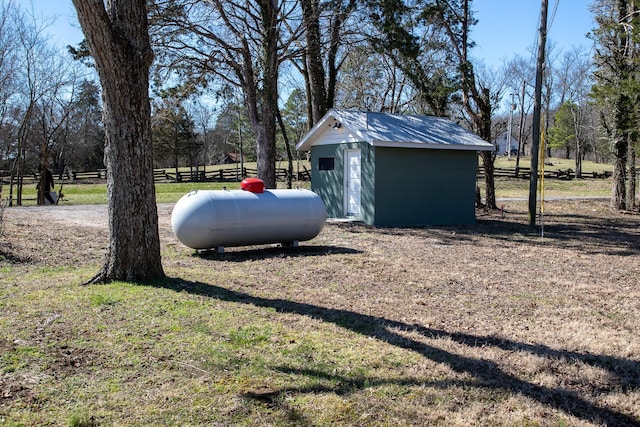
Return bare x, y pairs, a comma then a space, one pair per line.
233, 174
230, 174
525, 173
223, 175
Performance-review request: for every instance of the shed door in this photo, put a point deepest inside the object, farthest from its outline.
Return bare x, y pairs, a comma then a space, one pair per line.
352, 174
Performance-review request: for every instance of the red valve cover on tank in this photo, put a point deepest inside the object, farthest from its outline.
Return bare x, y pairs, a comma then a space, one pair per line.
254, 185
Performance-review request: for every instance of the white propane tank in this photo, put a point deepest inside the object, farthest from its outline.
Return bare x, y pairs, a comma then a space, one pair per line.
207, 219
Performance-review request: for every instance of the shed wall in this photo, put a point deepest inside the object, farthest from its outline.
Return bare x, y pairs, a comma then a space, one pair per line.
418, 187
329, 184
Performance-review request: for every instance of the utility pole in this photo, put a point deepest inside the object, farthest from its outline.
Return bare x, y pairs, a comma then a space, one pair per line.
537, 108
521, 130
510, 125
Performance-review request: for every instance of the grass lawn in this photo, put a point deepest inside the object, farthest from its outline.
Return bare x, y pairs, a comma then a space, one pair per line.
511, 187
455, 326
553, 164
591, 187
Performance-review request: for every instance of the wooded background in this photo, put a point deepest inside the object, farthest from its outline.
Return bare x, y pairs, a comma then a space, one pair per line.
214, 62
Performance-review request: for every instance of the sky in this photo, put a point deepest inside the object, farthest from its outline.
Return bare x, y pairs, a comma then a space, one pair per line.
509, 27
505, 27
64, 28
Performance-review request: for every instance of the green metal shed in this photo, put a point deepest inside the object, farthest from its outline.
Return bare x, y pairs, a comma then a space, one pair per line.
393, 170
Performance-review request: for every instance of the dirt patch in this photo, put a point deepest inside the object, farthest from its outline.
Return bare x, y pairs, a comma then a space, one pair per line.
63, 235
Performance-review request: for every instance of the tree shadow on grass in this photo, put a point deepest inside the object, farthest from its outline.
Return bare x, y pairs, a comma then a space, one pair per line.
486, 373
340, 385
610, 236
619, 235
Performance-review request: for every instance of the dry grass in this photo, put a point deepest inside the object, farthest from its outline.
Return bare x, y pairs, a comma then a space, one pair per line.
481, 325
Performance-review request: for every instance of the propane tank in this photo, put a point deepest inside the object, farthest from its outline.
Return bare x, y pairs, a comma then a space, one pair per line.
213, 219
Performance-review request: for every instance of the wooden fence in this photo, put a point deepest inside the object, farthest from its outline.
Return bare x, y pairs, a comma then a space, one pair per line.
525, 173
222, 175
230, 174
233, 174
33, 178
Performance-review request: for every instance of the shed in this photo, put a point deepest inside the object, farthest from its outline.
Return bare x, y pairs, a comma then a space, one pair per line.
393, 170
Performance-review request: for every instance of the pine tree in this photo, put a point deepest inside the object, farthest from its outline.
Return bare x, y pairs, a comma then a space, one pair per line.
617, 91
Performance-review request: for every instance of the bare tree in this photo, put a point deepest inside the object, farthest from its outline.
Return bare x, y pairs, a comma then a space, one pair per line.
373, 81
522, 75
573, 83
44, 82
573, 75
9, 67
32, 49
237, 42
323, 54
314, 70
38, 91
52, 111
413, 38
118, 39
478, 99
203, 114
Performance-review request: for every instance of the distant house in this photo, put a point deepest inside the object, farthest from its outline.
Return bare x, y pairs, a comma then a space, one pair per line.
502, 142
394, 170
230, 158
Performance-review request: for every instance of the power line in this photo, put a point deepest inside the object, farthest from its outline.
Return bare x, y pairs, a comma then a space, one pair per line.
553, 16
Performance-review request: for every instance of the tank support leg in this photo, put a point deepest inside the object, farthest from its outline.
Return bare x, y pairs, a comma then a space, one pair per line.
293, 244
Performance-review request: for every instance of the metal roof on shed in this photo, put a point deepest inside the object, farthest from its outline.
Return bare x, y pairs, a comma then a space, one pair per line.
391, 130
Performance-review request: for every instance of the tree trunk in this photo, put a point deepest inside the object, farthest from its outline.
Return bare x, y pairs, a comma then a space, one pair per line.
489, 180
287, 147
340, 14
262, 107
311, 18
620, 151
266, 154
267, 97
488, 157
618, 190
578, 159
631, 189
118, 40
